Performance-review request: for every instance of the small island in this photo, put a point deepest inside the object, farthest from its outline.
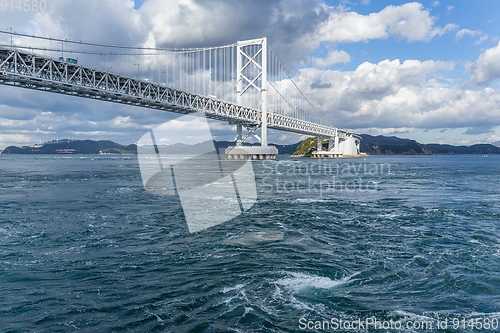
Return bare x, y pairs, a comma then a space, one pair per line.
309, 146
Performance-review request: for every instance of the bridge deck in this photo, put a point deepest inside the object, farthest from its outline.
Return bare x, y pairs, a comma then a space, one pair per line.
26, 70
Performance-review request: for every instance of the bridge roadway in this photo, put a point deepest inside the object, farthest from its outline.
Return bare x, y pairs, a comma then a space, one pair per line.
27, 70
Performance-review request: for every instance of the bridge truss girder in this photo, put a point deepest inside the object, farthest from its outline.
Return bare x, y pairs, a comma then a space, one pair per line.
26, 70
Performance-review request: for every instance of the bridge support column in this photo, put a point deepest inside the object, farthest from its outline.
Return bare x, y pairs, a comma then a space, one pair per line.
264, 93
319, 147
333, 147
239, 135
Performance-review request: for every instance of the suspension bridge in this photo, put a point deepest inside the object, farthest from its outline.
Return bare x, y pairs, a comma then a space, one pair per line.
243, 84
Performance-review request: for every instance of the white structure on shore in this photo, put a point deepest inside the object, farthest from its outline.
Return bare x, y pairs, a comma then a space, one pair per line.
349, 146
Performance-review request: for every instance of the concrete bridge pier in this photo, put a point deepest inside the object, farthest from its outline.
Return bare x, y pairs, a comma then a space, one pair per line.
241, 152
333, 148
320, 144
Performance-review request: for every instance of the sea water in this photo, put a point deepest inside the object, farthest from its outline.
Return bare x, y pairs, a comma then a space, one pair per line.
398, 240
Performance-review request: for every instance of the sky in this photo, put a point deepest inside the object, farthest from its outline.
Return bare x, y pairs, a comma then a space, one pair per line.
425, 70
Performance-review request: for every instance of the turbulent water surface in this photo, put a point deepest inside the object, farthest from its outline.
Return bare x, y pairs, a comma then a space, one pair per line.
408, 240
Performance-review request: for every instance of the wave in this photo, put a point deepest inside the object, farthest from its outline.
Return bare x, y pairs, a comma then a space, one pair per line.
300, 281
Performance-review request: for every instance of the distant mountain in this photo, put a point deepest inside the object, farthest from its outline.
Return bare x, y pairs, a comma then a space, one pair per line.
383, 145
384, 139
474, 149
110, 147
496, 144
373, 145
391, 145
74, 147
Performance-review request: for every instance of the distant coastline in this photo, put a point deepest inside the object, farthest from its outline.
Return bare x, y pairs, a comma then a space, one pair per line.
391, 145
69, 147
372, 145
107, 147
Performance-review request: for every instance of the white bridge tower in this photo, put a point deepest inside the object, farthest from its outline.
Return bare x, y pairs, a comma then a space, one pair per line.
251, 71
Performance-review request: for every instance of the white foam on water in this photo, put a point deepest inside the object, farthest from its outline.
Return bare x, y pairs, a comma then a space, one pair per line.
6, 232
309, 200
301, 306
158, 318
236, 296
247, 310
288, 300
389, 216
300, 281
255, 238
483, 315
410, 316
236, 287
277, 293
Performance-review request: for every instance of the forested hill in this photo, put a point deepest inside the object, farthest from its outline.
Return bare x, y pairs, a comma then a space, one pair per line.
384, 145
110, 147
74, 147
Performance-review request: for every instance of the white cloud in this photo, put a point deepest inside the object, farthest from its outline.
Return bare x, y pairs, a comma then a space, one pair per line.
441, 31
291, 25
409, 21
122, 122
181, 22
481, 40
385, 131
435, 3
186, 130
294, 27
16, 139
487, 67
464, 32
85, 20
394, 94
449, 9
333, 57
